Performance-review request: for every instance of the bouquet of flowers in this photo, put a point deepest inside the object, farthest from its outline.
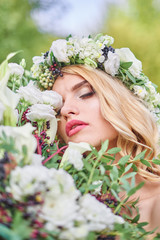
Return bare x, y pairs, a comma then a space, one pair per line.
49, 190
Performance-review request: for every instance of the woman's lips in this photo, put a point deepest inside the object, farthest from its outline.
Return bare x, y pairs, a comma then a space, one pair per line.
74, 126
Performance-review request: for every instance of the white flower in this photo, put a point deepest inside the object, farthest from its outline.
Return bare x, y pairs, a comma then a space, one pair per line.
37, 159
111, 65
73, 233
149, 85
156, 99
30, 93
7, 97
27, 181
52, 98
59, 49
73, 154
23, 63
61, 183
97, 191
61, 212
38, 59
40, 112
119, 219
22, 137
140, 91
101, 59
98, 216
16, 69
126, 55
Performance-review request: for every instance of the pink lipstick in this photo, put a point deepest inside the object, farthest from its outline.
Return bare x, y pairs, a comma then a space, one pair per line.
74, 126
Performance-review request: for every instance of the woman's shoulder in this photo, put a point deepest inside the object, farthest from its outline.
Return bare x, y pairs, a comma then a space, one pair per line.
149, 190
149, 204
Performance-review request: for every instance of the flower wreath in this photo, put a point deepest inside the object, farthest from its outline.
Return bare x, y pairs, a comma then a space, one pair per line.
97, 53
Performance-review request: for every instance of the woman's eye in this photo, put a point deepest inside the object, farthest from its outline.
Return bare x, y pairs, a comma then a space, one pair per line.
87, 94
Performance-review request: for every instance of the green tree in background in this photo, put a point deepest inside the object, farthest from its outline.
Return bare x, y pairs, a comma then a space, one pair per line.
18, 31
138, 29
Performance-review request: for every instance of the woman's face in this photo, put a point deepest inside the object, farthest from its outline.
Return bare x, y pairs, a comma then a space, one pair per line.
80, 116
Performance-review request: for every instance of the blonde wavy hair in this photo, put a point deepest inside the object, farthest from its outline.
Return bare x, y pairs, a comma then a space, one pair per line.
137, 130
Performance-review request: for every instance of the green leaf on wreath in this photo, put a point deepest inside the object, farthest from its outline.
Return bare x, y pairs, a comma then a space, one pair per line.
126, 65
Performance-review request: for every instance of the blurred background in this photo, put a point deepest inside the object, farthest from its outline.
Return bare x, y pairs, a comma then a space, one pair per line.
32, 25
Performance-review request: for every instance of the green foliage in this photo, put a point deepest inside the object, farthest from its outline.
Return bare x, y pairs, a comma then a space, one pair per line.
18, 31
20, 229
137, 27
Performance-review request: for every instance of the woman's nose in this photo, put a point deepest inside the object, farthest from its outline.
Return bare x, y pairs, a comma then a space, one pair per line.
69, 108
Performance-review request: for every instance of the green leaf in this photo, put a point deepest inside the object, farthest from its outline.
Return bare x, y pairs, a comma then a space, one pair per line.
140, 155
156, 161
21, 226
114, 150
87, 166
124, 160
104, 188
114, 173
8, 234
135, 220
91, 236
12, 54
102, 169
135, 189
128, 167
103, 148
94, 186
126, 65
115, 195
130, 76
145, 162
69, 36
128, 175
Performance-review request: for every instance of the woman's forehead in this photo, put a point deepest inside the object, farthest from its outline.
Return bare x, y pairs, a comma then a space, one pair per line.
69, 82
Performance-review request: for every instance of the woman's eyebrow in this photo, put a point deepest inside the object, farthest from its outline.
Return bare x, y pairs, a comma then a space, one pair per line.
78, 85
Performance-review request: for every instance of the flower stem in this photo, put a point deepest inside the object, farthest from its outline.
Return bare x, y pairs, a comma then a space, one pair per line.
58, 151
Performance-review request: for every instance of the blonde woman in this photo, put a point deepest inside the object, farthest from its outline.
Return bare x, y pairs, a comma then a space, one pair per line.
112, 99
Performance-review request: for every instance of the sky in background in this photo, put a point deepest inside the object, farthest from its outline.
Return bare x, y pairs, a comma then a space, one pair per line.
79, 18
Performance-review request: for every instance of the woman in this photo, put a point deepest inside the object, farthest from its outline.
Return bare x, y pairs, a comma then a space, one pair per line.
94, 110
97, 105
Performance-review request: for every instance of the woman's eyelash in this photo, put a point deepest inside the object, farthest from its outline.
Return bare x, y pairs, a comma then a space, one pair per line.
87, 94
58, 112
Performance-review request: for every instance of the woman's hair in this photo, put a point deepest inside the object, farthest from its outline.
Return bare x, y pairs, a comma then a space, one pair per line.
137, 130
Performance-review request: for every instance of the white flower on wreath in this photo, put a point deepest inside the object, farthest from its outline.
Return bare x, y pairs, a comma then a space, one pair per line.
16, 69
111, 65
140, 91
59, 49
149, 85
52, 98
126, 55
30, 93
38, 59
73, 154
